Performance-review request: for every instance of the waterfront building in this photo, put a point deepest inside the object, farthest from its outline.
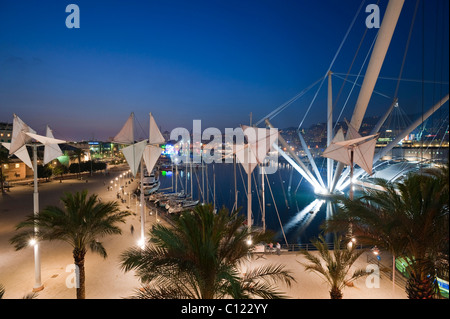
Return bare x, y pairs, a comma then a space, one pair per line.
5, 132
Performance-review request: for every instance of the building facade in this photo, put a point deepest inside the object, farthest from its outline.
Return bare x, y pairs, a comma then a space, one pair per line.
5, 132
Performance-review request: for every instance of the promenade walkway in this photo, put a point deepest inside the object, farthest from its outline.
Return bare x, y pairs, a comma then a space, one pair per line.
104, 278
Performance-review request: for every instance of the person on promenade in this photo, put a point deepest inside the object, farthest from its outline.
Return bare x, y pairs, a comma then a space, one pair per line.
278, 249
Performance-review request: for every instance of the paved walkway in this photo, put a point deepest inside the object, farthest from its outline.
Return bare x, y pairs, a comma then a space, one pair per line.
104, 278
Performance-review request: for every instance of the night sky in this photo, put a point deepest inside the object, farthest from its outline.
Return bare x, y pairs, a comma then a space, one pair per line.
216, 60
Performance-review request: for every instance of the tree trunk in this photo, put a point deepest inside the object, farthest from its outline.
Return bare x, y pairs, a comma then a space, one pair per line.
335, 293
78, 256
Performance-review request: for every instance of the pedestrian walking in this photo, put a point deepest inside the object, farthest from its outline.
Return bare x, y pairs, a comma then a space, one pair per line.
271, 248
132, 229
278, 249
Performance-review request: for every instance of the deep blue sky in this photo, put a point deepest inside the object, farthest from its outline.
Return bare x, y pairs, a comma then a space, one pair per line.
215, 60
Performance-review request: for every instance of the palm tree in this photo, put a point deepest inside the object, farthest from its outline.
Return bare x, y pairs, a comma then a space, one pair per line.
199, 258
441, 173
78, 153
81, 223
334, 266
60, 170
408, 218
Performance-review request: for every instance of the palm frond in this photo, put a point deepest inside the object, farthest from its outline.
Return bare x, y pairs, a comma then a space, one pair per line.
199, 255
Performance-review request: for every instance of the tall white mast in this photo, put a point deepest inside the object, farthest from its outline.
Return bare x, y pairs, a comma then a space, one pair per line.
22, 136
263, 197
329, 131
249, 196
142, 200
37, 256
373, 69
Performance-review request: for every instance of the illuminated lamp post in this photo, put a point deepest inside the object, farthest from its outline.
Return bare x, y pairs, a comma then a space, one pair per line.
23, 136
376, 252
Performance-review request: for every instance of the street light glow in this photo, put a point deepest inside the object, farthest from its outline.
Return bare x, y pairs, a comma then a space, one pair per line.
375, 251
141, 243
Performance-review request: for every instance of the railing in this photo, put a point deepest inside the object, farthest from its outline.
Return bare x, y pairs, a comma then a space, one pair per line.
308, 247
386, 271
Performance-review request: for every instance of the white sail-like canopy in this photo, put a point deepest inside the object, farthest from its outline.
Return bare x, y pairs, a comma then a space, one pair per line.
259, 143
23, 134
364, 153
126, 134
260, 140
51, 151
246, 157
151, 155
133, 154
155, 136
363, 149
21, 153
153, 151
136, 151
19, 137
337, 150
44, 139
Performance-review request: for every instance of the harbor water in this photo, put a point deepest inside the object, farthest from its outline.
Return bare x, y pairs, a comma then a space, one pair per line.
292, 210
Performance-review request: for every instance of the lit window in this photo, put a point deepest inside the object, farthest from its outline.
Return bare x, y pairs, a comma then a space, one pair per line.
17, 165
5, 166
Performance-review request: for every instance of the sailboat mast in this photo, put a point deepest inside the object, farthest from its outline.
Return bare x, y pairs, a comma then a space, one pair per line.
249, 186
263, 198
235, 182
207, 184
351, 174
214, 189
203, 179
249, 196
192, 190
142, 203
186, 177
176, 178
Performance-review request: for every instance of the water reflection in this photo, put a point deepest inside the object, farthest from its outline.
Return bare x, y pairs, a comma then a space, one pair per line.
304, 217
295, 209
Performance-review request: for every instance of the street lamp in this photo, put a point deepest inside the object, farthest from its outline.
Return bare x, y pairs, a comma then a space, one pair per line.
32, 242
376, 252
18, 146
351, 242
141, 243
